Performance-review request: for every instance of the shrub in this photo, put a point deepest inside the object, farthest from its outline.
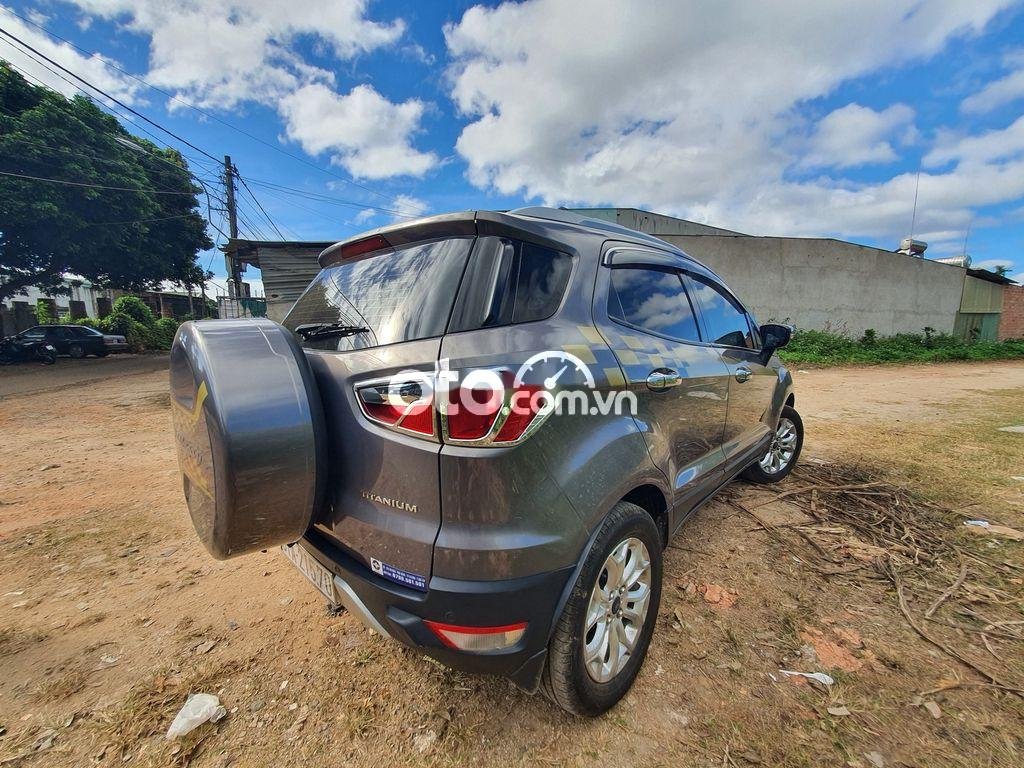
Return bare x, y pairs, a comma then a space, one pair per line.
135, 308
826, 348
162, 333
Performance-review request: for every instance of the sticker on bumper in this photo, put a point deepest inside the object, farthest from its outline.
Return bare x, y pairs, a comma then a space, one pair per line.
397, 575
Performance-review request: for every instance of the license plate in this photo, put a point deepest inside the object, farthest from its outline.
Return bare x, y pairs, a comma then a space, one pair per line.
319, 577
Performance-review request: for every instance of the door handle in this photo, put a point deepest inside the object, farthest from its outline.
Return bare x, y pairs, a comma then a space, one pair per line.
661, 379
742, 374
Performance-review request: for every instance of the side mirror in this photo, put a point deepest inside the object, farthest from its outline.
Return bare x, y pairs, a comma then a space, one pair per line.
774, 336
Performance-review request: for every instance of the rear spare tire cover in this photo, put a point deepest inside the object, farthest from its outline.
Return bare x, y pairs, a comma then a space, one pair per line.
250, 433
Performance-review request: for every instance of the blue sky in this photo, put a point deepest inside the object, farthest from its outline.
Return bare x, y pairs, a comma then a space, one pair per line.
803, 118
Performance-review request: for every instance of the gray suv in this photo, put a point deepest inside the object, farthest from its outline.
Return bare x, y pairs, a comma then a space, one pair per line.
477, 432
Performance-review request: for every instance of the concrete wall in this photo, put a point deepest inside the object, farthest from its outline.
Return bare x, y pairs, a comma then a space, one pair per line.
830, 284
1011, 323
652, 223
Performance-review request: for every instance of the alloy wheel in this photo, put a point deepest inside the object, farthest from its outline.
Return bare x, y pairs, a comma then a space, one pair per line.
617, 610
782, 449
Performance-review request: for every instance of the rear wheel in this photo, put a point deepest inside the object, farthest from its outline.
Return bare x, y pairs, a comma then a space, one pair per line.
77, 351
783, 452
603, 634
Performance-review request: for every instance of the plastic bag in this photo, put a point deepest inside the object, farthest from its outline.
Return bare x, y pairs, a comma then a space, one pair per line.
199, 708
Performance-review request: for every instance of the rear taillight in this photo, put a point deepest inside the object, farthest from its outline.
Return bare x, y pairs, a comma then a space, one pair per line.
489, 408
477, 639
406, 406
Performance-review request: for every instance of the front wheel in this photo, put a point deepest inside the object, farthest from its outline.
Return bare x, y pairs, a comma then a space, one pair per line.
783, 452
77, 351
47, 358
602, 636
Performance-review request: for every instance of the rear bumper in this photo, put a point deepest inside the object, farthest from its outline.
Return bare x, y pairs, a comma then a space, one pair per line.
400, 611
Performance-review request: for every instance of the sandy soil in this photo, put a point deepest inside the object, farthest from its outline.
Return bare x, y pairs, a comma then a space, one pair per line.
111, 613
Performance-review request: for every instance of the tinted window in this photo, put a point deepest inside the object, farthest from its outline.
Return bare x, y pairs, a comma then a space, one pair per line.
724, 319
399, 294
511, 281
33, 333
83, 332
653, 301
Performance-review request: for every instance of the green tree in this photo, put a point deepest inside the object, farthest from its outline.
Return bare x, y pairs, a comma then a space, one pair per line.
145, 230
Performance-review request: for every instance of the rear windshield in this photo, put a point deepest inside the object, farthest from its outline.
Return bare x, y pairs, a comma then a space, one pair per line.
398, 294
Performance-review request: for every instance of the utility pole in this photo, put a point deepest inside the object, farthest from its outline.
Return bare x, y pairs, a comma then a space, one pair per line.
234, 273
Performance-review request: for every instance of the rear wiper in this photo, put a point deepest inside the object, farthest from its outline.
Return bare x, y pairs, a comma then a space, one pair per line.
309, 331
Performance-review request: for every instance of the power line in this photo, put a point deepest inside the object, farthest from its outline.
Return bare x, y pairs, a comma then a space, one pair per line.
81, 90
203, 112
94, 186
260, 206
137, 221
327, 198
155, 124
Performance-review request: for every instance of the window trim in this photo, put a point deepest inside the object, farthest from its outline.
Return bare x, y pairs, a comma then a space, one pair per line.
703, 323
679, 273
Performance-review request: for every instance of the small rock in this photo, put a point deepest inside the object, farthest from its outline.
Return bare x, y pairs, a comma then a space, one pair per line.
48, 466
205, 647
286, 600
838, 711
933, 709
168, 552
1017, 428
232, 625
876, 759
45, 740
108, 659
678, 717
284, 684
424, 742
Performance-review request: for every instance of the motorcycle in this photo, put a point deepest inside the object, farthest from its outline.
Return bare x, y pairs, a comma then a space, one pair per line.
17, 350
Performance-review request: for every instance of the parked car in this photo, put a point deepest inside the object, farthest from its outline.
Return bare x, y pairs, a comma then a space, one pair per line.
77, 340
401, 436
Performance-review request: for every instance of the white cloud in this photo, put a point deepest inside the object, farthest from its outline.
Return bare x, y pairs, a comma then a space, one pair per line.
1006, 90
855, 135
696, 110
96, 69
222, 54
364, 132
219, 53
986, 147
409, 207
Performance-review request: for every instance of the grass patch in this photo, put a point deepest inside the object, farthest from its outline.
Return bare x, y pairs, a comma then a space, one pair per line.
829, 348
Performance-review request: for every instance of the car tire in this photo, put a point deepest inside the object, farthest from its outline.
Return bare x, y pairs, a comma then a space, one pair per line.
782, 456
77, 351
574, 673
102, 353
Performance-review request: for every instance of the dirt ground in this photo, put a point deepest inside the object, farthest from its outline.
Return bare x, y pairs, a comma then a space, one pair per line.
111, 612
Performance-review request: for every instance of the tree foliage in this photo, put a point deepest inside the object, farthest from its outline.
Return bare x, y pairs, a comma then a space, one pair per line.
146, 230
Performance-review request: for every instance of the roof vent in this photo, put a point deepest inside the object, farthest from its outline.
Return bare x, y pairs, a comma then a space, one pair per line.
912, 247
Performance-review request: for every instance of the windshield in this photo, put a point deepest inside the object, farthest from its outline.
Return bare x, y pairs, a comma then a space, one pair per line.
396, 295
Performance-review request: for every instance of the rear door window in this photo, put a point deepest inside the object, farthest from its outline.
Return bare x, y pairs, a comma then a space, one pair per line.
724, 319
511, 281
397, 294
654, 301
